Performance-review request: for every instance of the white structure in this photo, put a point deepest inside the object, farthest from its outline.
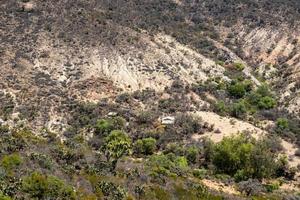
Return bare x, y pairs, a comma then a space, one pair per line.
168, 120
112, 114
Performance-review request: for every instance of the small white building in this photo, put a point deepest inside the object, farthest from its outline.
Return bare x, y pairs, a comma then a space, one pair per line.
167, 120
112, 114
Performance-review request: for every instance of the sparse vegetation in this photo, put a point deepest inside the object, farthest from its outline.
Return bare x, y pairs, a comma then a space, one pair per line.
86, 86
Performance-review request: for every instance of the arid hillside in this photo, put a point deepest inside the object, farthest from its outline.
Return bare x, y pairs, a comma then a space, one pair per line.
174, 80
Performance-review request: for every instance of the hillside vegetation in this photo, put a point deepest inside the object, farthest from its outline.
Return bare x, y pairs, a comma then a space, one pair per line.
150, 99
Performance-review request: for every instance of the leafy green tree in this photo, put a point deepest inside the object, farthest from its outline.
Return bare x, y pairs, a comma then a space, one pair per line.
39, 186
145, 146
116, 145
244, 158
231, 154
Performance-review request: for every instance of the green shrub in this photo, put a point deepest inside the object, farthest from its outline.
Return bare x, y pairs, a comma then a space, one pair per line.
245, 158
230, 154
263, 90
105, 126
124, 98
271, 187
188, 124
199, 173
167, 164
112, 191
220, 62
9, 162
145, 146
192, 154
266, 103
156, 193
238, 109
116, 145
43, 160
39, 186
239, 66
237, 89
4, 197
220, 107
181, 162
282, 124
145, 117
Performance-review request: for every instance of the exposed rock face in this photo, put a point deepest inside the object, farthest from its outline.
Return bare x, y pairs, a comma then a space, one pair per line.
55, 52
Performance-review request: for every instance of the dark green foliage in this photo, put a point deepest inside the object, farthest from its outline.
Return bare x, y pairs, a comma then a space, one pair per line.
83, 114
238, 109
264, 90
245, 158
39, 186
230, 154
112, 191
192, 154
237, 89
123, 98
266, 103
4, 197
282, 124
199, 173
167, 164
220, 107
10, 162
116, 145
7, 105
145, 146
144, 95
239, 66
105, 126
169, 105
145, 117
271, 187
188, 124
43, 160
156, 193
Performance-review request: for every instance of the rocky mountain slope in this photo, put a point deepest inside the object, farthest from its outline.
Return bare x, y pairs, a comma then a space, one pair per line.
66, 64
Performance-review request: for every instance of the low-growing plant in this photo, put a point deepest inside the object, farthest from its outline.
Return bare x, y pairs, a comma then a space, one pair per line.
4, 197
105, 126
39, 186
145, 146
112, 191
10, 162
